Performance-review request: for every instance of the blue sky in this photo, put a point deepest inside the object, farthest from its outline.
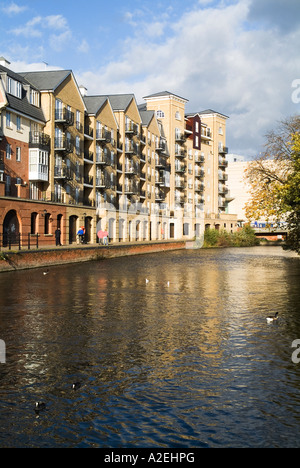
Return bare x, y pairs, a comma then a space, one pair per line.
239, 57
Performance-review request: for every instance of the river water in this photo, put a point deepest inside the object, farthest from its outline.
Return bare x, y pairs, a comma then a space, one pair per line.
192, 363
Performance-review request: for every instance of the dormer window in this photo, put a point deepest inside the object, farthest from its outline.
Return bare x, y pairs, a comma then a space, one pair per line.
14, 87
34, 97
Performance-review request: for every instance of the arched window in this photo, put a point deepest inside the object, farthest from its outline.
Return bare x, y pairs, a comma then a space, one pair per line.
160, 114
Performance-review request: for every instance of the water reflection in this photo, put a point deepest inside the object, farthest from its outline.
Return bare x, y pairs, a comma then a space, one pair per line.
189, 364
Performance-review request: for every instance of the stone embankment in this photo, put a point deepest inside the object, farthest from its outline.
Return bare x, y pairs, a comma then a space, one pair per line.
46, 257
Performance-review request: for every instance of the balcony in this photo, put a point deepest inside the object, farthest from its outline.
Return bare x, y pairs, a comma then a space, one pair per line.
131, 128
223, 150
200, 159
100, 181
222, 176
64, 144
180, 168
179, 183
223, 162
199, 187
88, 132
131, 169
39, 140
131, 148
199, 173
206, 134
159, 195
160, 162
62, 173
103, 135
89, 157
88, 181
161, 146
100, 158
64, 116
180, 153
180, 137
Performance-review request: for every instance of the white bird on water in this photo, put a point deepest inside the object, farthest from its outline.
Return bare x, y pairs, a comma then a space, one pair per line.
147, 281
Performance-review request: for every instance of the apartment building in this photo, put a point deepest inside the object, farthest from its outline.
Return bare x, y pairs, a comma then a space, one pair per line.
197, 162
24, 162
142, 172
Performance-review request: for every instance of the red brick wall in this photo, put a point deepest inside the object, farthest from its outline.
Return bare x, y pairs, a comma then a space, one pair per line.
24, 209
46, 258
12, 167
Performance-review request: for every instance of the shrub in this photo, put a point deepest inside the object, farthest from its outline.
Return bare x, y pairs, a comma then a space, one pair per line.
245, 237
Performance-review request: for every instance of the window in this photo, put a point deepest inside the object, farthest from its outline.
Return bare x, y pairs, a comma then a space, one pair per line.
177, 116
77, 146
78, 126
18, 154
19, 126
14, 87
34, 97
9, 85
8, 151
160, 114
8, 119
18, 90
7, 185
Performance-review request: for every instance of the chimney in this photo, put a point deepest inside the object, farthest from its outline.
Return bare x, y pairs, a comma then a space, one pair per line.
5, 63
83, 90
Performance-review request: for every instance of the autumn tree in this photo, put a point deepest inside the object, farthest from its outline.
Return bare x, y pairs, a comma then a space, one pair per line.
274, 179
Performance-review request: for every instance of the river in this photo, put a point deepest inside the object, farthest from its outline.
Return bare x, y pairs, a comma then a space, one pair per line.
186, 359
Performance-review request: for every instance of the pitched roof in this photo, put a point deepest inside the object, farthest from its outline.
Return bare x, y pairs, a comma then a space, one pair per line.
120, 102
164, 93
22, 105
46, 80
94, 103
146, 116
210, 111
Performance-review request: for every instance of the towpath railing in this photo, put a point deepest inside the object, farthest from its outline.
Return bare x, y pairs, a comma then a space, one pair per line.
19, 241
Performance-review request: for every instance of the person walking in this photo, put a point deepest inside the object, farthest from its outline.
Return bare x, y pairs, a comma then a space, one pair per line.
58, 236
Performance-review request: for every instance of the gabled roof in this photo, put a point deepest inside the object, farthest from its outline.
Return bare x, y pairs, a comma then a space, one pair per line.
146, 116
210, 111
46, 80
94, 103
164, 93
120, 102
22, 105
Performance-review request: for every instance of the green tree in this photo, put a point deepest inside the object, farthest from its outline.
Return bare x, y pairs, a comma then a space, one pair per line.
274, 178
291, 196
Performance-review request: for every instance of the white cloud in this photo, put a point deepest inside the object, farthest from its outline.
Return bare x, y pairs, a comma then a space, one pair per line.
83, 47
55, 22
35, 26
13, 9
59, 42
217, 60
229, 57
